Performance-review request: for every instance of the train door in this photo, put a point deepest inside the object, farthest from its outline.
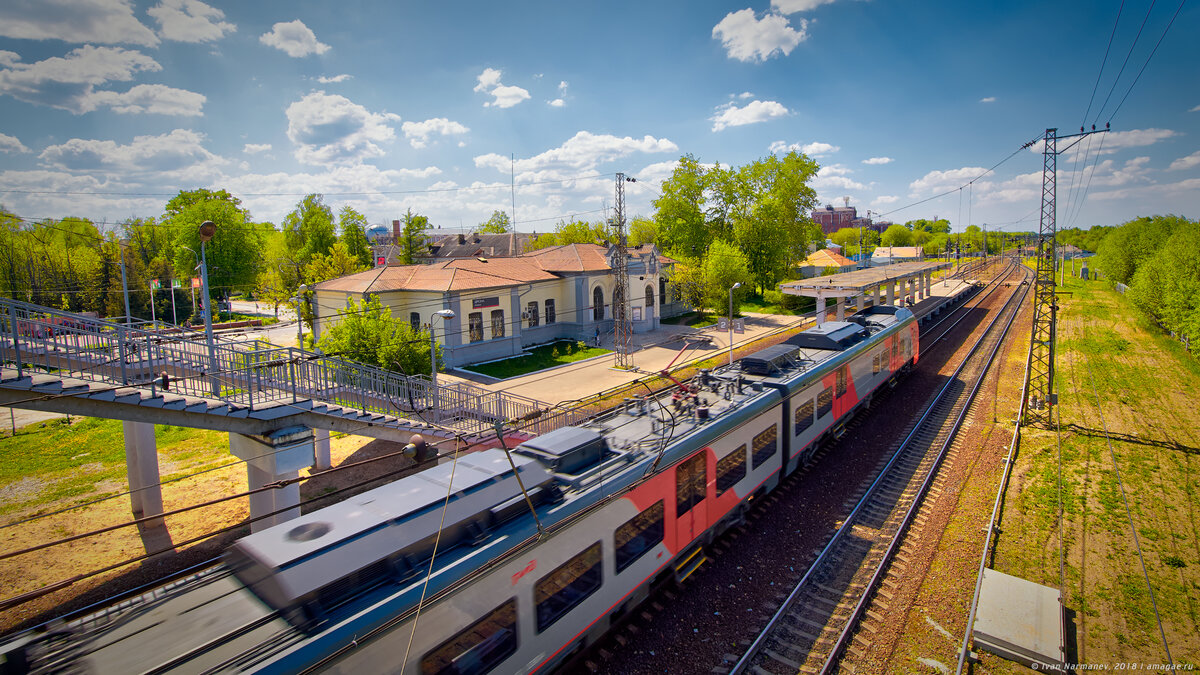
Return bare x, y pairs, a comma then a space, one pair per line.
691, 508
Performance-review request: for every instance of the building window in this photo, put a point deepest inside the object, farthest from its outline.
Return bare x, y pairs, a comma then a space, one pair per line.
479, 648
824, 402
640, 534
804, 417
531, 314
662, 288
475, 326
550, 317
649, 297
598, 304
497, 323
842, 376
414, 318
730, 469
561, 590
689, 483
765, 445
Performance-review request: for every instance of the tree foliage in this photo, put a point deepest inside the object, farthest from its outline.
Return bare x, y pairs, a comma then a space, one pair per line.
413, 241
896, 235
352, 226
572, 232
309, 229
235, 252
725, 266
368, 333
499, 223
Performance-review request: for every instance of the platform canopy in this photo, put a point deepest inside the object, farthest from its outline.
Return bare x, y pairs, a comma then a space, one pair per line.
858, 282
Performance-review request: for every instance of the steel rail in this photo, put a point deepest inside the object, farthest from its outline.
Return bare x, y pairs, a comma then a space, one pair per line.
756, 646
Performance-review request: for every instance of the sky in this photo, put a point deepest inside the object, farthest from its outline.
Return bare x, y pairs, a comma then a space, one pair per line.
110, 107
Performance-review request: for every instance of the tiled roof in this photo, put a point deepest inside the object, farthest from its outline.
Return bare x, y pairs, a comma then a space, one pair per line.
826, 258
898, 252
444, 275
571, 258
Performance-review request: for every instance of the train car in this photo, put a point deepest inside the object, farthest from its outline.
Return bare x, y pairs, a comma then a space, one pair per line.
497, 562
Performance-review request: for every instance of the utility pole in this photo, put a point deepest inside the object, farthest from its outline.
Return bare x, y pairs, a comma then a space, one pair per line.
124, 282
622, 325
1045, 307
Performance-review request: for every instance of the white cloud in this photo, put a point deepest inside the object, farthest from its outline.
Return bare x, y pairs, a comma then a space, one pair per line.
70, 83
557, 103
940, 181
11, 144
582, 150
333, 129
335, 79
293, 38
1191, 185
878, 160
179, 149
885, 199
255, 148
793, 6
745, 95
92, 21
1113, 141
505, 96
562, 87
835, 176
8, 58
748, 38
811, 149
152, 98
988, 99
1195, 109
190, 21
418, 133
1186, 162
729, 115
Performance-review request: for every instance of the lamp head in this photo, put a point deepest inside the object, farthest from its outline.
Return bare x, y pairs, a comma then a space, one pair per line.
446, 314
207, 230
736, 286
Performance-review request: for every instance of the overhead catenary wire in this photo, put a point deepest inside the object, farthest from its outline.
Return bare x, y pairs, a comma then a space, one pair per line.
1124, 63
1143, 69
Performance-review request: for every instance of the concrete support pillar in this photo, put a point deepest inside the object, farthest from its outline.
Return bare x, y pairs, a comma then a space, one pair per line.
321, 449
891, 293
274, 457
928, 283
879, 294
141, 464
841, 309
820, 313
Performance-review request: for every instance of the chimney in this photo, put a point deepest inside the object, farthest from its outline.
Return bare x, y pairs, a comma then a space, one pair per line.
395, 230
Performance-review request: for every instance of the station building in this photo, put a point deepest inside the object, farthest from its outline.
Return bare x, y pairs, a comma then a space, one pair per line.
503, 305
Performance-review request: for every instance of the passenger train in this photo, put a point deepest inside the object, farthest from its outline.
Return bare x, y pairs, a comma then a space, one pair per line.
498, 563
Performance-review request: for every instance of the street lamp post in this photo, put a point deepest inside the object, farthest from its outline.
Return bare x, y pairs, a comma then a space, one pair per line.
207, 230
446, 315
731, 290
299, 318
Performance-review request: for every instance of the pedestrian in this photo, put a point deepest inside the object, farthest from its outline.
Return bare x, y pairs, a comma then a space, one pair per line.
597, 336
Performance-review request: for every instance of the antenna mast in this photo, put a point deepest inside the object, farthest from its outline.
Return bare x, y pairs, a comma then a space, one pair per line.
622, 325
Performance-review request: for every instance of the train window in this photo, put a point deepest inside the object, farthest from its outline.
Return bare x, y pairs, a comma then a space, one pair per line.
875, 365
765, 445
479, 648
689, 483
640, 534
731, 468
561, 590
824, 402
841, 381
804, 416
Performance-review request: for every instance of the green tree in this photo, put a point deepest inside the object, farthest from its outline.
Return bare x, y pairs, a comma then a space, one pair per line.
413, 240
679, 211
897, 235
337, 263
353, 228
725, 266
368, 333
572, 232
309, 229
846, 237
235, 251
642, 231
497, 224
187, 198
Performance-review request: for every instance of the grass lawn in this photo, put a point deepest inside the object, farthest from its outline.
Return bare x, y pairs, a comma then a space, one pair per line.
756, 303
539, 358
693, 319
52, 461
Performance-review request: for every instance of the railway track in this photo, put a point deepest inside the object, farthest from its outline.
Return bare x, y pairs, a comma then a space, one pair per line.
814, 625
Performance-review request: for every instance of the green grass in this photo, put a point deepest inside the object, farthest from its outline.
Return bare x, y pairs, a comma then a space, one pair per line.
539, 358
55, 461
693, 319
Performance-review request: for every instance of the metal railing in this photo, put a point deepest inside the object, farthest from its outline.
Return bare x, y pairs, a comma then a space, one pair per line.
247, 372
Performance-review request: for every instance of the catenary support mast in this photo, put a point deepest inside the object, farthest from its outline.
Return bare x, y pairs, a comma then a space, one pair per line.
622, 325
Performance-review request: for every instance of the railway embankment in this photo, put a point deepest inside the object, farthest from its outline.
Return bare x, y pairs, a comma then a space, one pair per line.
1127, 438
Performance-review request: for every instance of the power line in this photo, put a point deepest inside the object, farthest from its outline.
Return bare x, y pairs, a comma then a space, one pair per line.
1126, 61
1104, 61
1152, 52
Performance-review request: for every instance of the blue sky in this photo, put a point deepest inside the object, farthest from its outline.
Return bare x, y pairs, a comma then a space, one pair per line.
109, 107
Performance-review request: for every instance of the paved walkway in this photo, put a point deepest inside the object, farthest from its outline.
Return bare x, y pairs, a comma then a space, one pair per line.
656, 349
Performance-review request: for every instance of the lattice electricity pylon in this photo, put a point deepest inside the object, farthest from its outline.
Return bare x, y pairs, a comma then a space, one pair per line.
622, 324
1041, 395
1041, 365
